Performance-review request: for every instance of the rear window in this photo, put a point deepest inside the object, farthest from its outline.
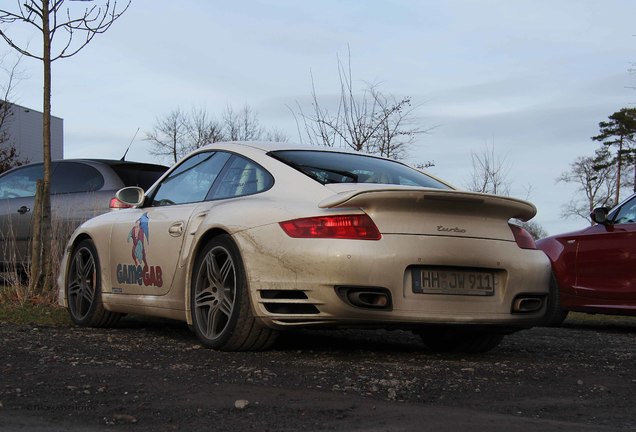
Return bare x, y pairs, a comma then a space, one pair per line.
141, 175
333, 167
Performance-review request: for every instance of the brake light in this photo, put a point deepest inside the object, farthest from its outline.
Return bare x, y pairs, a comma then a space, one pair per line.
522, 237
116, 204
355, 227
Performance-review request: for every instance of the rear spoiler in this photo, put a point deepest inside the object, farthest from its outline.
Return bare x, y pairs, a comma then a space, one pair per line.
413, 198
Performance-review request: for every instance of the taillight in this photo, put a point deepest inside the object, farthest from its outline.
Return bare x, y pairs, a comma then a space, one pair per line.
355, 227
522, 237
116, 204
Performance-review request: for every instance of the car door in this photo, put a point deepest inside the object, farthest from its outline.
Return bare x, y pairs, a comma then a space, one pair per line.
146, 242
17, 195
606, 257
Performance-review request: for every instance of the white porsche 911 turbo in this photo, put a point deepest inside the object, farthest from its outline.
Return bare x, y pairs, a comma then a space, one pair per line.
243, 240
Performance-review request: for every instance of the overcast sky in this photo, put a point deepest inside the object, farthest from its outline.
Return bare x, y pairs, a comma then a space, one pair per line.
530, 78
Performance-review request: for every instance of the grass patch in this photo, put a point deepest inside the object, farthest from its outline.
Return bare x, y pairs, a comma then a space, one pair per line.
34, 314
579, 318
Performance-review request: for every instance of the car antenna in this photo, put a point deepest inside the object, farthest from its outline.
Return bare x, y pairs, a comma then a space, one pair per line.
123, 158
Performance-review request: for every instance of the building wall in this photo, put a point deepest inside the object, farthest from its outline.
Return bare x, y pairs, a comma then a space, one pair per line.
24, 127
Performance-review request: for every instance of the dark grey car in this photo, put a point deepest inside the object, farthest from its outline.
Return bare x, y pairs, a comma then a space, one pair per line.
80, 189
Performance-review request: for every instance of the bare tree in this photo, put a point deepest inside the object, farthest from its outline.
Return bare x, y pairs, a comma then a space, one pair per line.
490, 173
533, 228
168, 136
369, 121
203, 130
320, 128
77, 26
9, 157
242, 125
10, 73
178, 133
275, 135
396, 132
596, 178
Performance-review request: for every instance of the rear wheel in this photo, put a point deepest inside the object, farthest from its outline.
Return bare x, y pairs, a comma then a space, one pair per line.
222, 317
555, 314
84, 288
459, 340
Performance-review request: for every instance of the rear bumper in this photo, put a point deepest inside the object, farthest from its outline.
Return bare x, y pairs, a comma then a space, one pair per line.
296, 281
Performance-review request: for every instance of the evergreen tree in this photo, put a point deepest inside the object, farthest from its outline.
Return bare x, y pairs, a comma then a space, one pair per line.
619, 132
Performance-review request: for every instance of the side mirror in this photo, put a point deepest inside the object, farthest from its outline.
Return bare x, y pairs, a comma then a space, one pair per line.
599, 215
132, 195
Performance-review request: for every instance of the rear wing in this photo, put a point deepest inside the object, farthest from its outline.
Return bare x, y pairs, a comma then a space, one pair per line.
432, 200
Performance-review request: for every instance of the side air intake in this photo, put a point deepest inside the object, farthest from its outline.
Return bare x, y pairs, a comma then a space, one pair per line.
287, 302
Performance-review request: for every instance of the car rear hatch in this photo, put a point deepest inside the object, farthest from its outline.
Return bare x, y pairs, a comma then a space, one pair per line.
436, 212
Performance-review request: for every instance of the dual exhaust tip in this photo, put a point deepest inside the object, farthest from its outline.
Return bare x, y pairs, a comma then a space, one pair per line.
380, 299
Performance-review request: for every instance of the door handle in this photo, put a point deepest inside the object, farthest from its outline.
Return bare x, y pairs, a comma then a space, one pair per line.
24, 209
176, 229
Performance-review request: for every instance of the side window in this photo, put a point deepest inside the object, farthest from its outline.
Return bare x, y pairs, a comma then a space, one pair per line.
191, 180
627, 213
21, 182
241, 177
71, 177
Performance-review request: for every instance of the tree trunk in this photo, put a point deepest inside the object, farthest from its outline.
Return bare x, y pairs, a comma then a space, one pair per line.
36, 241
41, 272
619, 156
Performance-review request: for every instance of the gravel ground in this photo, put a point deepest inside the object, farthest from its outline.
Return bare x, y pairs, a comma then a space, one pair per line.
153, 375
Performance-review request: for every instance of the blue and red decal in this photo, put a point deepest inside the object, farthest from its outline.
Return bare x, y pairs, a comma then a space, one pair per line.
139, 272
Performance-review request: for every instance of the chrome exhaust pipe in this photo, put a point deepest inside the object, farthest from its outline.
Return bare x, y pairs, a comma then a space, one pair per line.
527, 304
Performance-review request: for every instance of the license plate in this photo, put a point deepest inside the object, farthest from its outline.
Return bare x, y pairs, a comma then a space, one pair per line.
453, 281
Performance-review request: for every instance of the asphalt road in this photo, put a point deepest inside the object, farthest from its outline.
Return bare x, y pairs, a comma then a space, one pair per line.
153, 375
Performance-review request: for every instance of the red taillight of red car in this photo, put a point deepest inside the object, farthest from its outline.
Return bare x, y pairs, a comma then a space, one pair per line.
354, 227
522, 237
116, 204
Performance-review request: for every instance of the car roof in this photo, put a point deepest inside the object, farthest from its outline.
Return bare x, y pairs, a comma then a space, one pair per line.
267, 146
110, 162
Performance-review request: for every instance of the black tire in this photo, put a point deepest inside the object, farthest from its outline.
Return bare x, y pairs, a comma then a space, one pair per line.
222, 316
555, 314
459, 340
84, 288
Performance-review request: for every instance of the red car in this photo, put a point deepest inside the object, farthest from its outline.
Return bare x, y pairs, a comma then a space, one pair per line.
594, 268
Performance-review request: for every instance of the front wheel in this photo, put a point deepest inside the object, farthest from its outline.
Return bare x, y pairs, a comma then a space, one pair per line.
84, 288
460, 340
222, 317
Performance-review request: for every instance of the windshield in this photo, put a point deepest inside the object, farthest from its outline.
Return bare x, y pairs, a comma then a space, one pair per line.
333, 167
